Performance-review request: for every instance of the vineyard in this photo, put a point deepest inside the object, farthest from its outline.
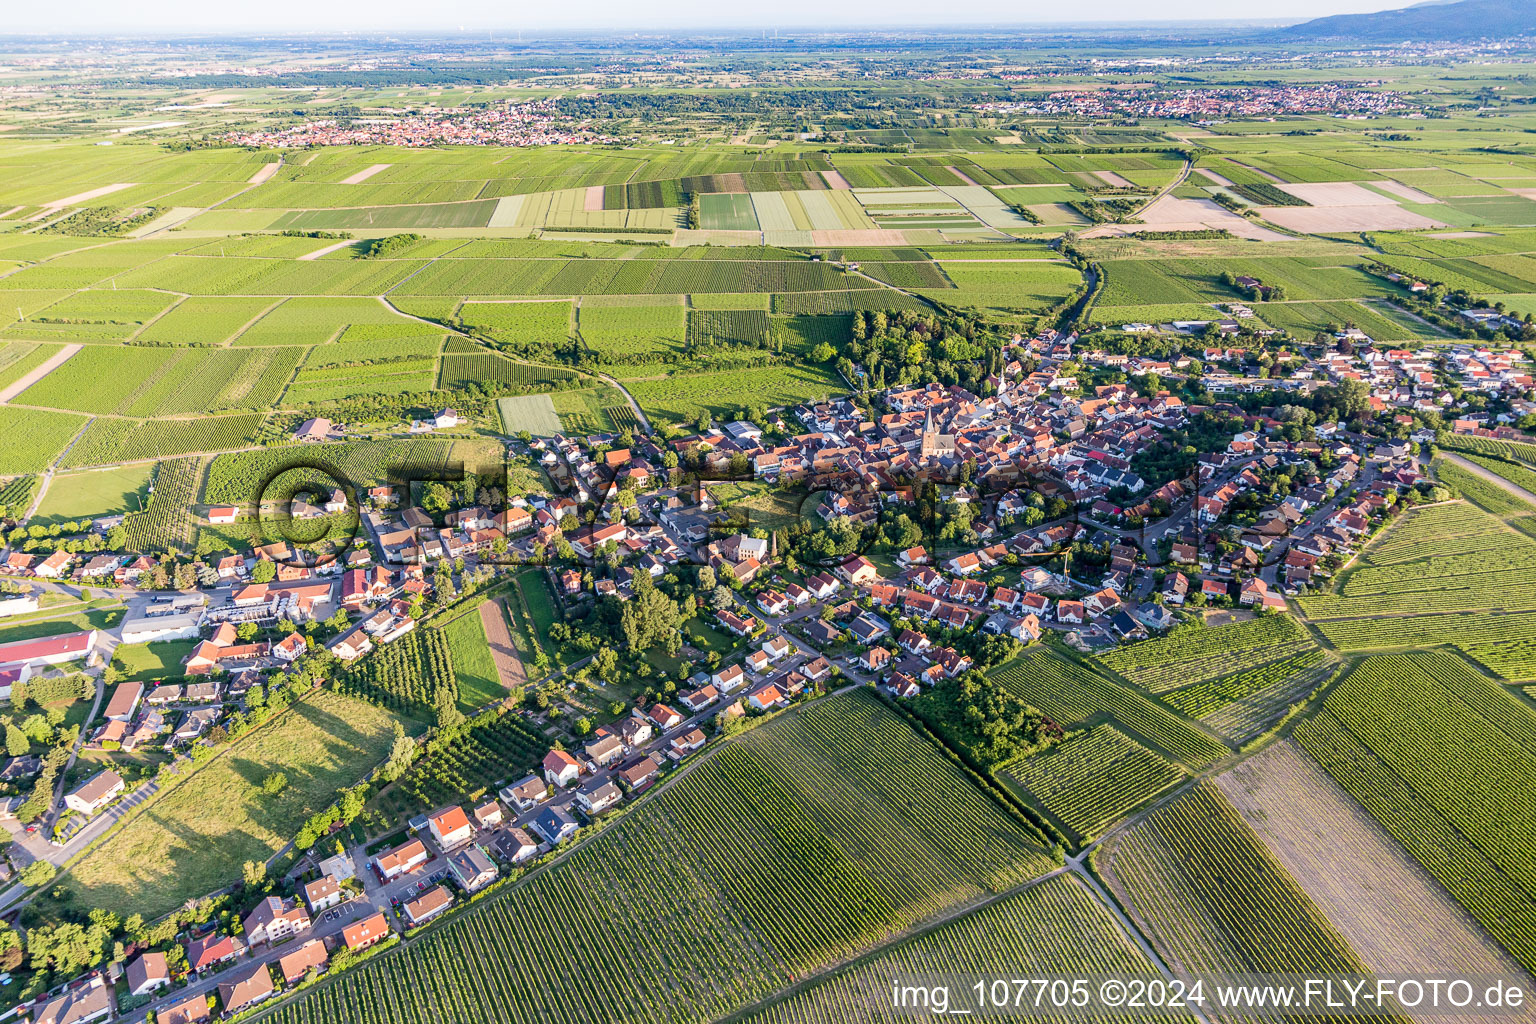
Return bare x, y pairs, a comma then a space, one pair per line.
1195, 654
787, 850
1213, 899
1517, 473
680, 399
108, 441
1390, 910
34, 438
728, 327
1502, 577
234, 478
1485, 494
1093, 780
1072, 693
1437, 530
1208, 697
1513, 451
408, 675
166, 522
462, 369
16, 496
1443, 758
1056, 928
466, 763
1506, 644
1245, 717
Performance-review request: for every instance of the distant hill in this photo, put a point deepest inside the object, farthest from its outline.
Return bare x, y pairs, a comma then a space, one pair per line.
1428, 22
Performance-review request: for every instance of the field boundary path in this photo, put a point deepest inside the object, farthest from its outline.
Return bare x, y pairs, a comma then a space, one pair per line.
42, 370
326, 250
509, 666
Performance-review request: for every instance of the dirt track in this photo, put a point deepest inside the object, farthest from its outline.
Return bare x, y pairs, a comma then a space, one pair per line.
37, 374
493, 618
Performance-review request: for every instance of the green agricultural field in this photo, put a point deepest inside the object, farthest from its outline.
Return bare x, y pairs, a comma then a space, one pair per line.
1493, 577
1056, 929
1092, 781
204, 320
35, 438
785, 851
95, 493
180, 845
682, 398
1072, 693
1195, 653
1442, 757
1212, 899
473, 666
108, 441
724, 212
533, 413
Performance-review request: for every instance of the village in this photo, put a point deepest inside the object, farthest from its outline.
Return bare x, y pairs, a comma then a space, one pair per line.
932, 539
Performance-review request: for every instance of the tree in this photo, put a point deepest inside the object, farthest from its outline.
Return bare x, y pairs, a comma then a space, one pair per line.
274, 783
39, 872
446, 704
606, 664
436, 498
16, 742
264, 572
254, 872
401, 754
246, 632
649, 616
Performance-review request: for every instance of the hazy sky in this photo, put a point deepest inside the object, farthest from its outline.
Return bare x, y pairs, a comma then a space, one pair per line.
149, 16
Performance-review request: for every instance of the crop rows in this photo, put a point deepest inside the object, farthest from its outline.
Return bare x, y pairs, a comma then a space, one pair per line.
34, 438
1447, 529
680, 399
1095, 779
631, 333
785, 851
1503, 578
466, 763
463, 369
234, 478
1072, 693
1505, 643
844, 301
1517, 473
1442, 757
727, 327
1055, 929
624, 277
1195, 654
166, 522
1515, 451
409, 674
1206, 698
1485, 494
16, 496
1246, 717
1212, 898
109, 441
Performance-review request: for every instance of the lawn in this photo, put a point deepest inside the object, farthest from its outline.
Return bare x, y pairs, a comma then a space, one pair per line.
32, 629
472, 662
191, 840
153, 661
95, 493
